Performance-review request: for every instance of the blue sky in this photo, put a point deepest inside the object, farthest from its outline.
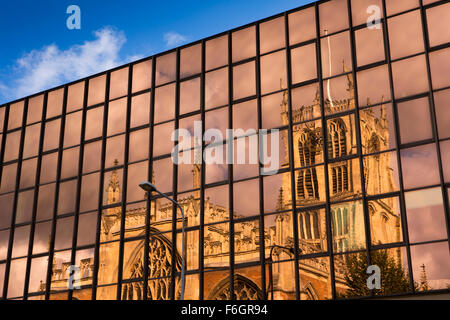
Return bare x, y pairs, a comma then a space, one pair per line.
39, 51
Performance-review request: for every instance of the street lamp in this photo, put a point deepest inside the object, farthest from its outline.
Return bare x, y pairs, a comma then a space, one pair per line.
150, 187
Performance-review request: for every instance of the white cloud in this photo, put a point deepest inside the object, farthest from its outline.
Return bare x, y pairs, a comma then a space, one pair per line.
174, 39
48, 67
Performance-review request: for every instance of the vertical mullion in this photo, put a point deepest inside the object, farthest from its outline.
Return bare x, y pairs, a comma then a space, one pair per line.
150, 178
100, 194
201, 234
55, 207
292, 159
262, 255
124, 186
16, 195
2, 152
433, 117
325, 153
359, 138
36, 195
229, 148
79, 184
397, 142
173, 293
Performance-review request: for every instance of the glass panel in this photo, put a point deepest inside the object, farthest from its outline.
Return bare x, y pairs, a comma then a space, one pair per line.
311, 231
191, 61
436, 18
46, 201
439, 68
112, 187
394, 7
303, 61
119, 83
385, 221
309, 186
272, 35
164, 103
336, 54
377, 129
51, 136
35, 105
136, 174
405, 70
246, 164
273, 71
70, 160
441, 104
107, 259
64, 233
405, 35
97, 87
373, 86
347, 225
393, 266
189, 174
67, 195
216, 123
24, 210
140, 110
362, 11
2, 118
445, 156
271, 111
217, 247
75, 95
216, 88
381, 173
305, 104
87, 226
246, 247
275, 157
188, 142
426, 215
314, 278
89, 192
431, 266
244, 81
107, 293
339, 94
72, 131
4, 240
166, 68
117, 116
31, 143
215, 170
6, 203
348, 267
244, 43
12, 146
17, 278
421, 159
333, 16
191, 253
245, 117
92, 156
341, 137
15, 115
217, 204
20, 244
114, 151
414, 111
142, 76
369, 46
2, 276
54, 103
8, 178
161, 134
190, 96
277, 192
138, 145
216, 52
163, 173
38, 274
49, 167
302, 25
42, 234
94, 123
242, 206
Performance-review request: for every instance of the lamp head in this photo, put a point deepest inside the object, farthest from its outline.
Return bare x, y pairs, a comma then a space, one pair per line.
147, 186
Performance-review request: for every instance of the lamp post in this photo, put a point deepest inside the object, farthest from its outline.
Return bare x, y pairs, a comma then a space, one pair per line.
150, 187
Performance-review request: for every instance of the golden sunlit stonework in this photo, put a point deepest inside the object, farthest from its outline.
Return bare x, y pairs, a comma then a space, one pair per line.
347, 220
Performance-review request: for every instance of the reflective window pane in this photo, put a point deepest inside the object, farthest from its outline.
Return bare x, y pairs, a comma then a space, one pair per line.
421, 159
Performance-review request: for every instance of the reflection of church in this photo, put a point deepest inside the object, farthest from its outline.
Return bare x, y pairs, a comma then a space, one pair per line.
346, 219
